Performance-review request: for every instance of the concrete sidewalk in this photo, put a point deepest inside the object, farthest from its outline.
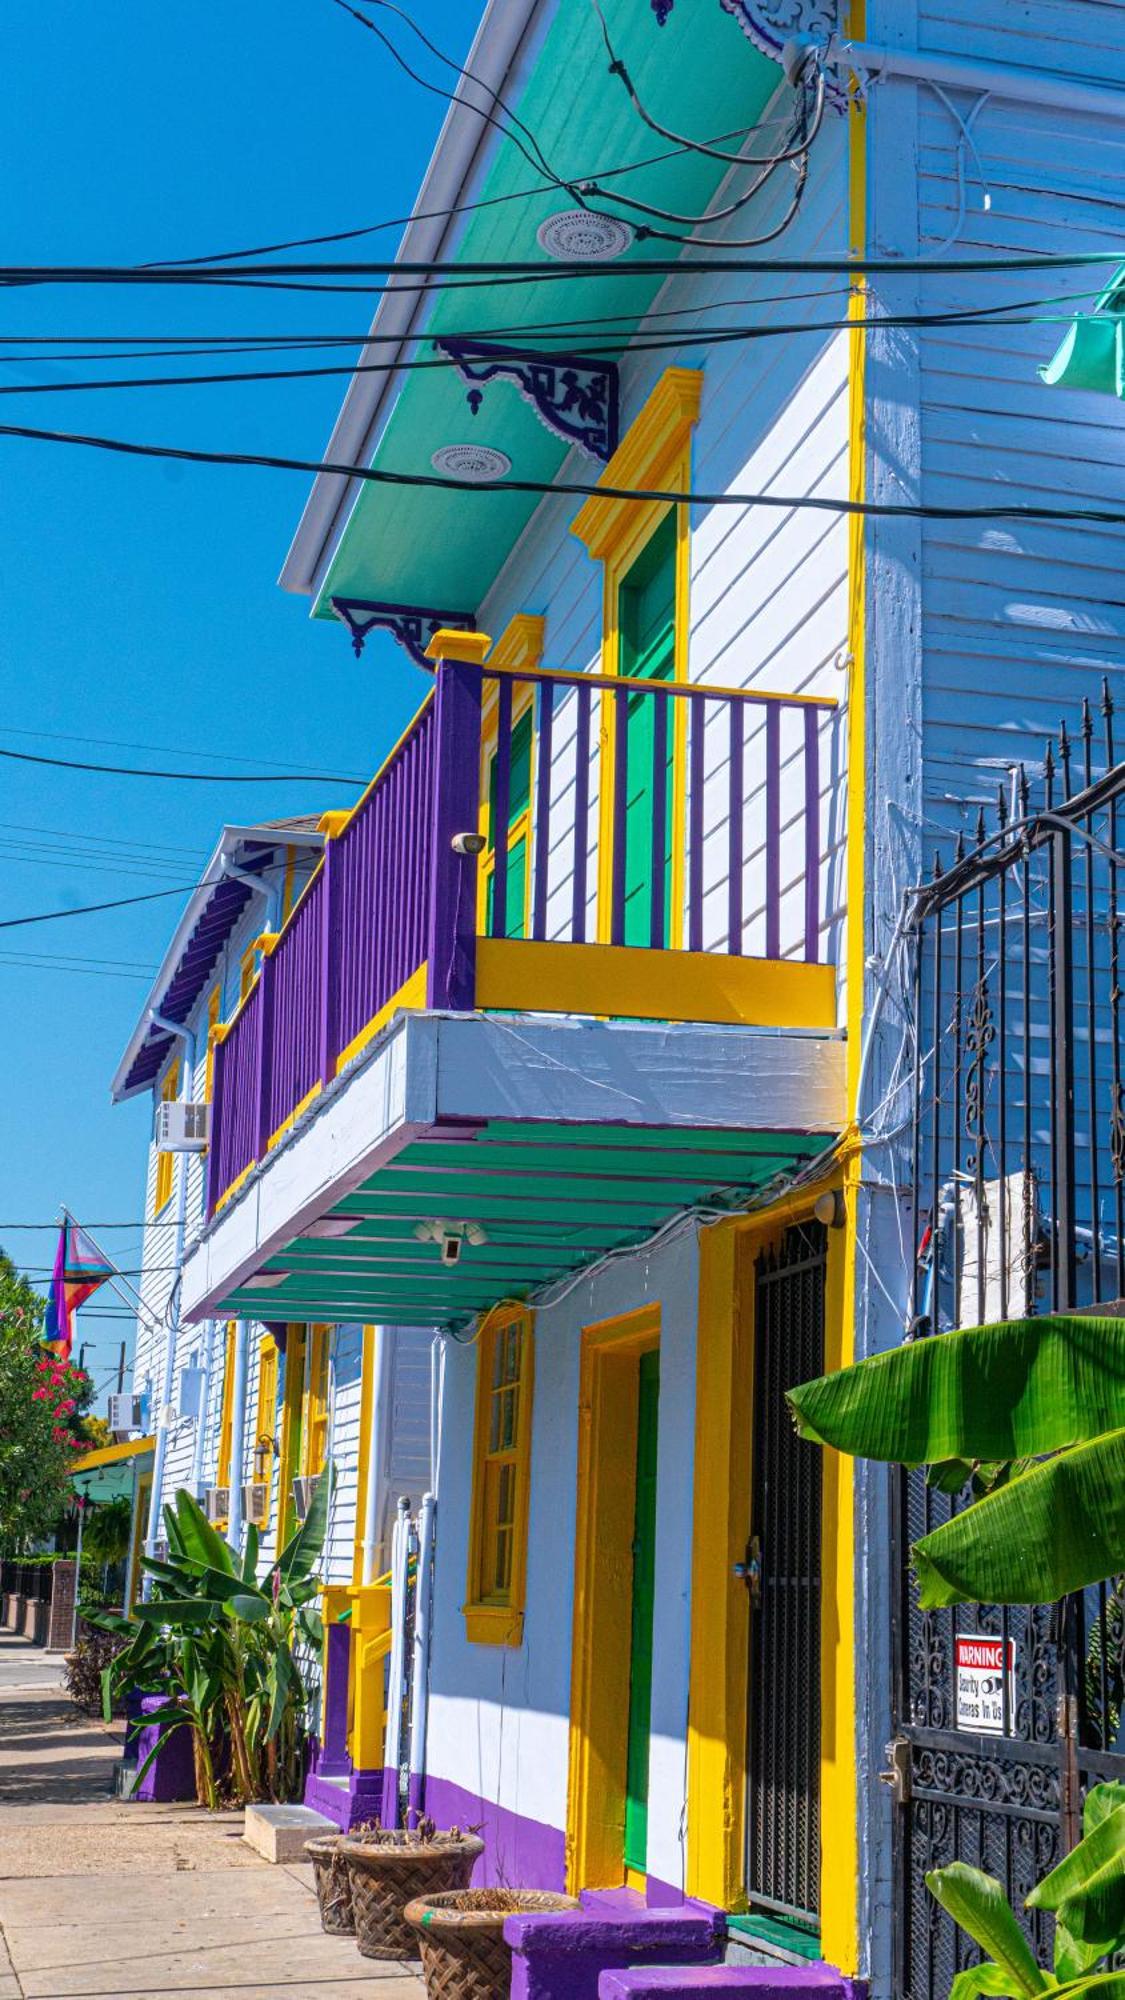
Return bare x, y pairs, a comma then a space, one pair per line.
100, 1899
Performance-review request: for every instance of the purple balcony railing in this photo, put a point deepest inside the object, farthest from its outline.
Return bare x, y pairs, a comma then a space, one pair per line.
656, 815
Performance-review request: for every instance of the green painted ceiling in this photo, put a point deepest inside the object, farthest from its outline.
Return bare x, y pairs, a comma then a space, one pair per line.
551, 1199
698, 75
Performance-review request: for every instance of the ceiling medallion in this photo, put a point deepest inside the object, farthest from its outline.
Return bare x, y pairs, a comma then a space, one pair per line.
580, 236
472, 464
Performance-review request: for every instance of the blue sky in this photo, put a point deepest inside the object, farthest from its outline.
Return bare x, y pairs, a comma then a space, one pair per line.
139, 603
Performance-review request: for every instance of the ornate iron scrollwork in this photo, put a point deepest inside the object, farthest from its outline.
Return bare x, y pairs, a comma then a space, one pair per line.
979, 1036
1117, 1134
575, 398
412, 625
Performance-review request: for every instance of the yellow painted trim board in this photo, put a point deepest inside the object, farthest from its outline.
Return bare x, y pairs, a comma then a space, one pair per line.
631, 982
490, 1621
298, 1111
364, 1468
113, 1454
602, 1639
520, 643
412, 993
292, 1401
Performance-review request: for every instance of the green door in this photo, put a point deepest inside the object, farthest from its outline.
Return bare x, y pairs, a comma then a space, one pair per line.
519, 801
647, 625
644, 1592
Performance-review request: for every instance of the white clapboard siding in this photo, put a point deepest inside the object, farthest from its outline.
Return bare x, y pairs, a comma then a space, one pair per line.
1079, 38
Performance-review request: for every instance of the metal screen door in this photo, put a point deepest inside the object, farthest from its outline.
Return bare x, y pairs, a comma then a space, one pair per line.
783, 1765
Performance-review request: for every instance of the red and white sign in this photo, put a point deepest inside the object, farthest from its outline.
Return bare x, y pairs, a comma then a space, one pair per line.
979, 1663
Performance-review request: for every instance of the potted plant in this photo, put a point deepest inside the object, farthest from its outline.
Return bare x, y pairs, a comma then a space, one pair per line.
333, 1888
460, 1936
388, 1869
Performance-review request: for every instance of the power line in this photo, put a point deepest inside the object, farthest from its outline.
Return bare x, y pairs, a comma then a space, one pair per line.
117, 903
1013, 510
169, 749
182, 777
9, 962
155, 847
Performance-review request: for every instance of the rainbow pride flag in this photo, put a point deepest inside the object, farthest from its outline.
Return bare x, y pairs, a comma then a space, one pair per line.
80, 1268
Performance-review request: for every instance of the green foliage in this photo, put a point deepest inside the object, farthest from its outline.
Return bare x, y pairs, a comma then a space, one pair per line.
107, 1529
227, 1651
1032, 1414
94, 1651
1087, 1894
41, 1405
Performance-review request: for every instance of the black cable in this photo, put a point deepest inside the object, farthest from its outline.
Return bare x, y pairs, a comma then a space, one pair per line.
500, 271
91, 909
181, 777
265, 764
1021, 510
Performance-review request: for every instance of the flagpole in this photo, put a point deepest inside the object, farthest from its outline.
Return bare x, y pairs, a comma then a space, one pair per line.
118, 1282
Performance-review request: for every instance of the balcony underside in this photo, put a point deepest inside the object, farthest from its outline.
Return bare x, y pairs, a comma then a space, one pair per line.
562, 1139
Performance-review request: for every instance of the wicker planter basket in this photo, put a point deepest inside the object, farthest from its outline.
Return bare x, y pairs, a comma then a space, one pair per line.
461, 1938
333, 1889
387, 1873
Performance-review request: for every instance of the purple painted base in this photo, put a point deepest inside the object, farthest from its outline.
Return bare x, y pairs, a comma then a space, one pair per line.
563, 1956
518, 1853
784, 1982
349, 1801
171, 1775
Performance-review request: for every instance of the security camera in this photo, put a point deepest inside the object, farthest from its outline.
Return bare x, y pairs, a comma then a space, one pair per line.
451, 1243
467, 843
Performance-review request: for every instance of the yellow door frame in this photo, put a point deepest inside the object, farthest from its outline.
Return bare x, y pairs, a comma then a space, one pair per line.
720, 1624
602, 1640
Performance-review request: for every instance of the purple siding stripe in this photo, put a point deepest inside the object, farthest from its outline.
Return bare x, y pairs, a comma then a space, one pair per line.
773, 831
546, 708
736, 810
658, 886
502, 791
697, 714
581, 814
812, 834
620, 699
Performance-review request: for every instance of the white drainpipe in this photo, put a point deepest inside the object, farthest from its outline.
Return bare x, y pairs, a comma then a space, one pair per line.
396, 1666
168, 1378
419, 1704
1027, 86
204, 1418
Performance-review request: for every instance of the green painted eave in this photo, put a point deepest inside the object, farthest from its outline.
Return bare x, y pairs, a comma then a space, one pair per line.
550, 1198
698, 75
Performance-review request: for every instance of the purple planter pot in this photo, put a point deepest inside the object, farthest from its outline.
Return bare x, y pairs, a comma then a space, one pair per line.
171, 1775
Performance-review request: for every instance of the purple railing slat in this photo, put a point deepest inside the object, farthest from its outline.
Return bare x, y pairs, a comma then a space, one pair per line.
659, 822
697, 713
455, 796
266, 1053
735, 830
502, 796
545, 718
812, 834
773, 831
581, 813
621, 697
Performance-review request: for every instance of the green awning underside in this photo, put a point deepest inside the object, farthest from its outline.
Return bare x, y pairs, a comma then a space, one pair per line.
698, 75
550, 1199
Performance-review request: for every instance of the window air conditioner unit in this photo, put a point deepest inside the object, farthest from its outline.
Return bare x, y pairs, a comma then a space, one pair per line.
182, 1127
216, 1503
256, 1502
303, 1490
127, 1414
160, 1550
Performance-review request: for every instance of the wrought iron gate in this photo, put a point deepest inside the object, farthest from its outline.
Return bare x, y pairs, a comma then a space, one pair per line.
783, 1817
1019, 1179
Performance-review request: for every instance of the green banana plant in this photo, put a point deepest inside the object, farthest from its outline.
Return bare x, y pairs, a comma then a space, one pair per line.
1086, 1893
1033, 1412
229, 1649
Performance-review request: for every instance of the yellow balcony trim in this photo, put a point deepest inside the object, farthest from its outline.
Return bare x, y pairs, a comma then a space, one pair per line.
449, 645
412, 993
298, 1111
229, 1193
637, 984
520, 643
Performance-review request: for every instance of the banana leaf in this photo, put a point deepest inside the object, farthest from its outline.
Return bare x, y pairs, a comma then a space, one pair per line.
978, 1903
1053, 1530
986, 1979
300, 1555
1016, 1390
200, 1541
1087, 1889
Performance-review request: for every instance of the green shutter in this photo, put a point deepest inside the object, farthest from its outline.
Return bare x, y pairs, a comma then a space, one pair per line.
647, 625
644, 1601
519, 796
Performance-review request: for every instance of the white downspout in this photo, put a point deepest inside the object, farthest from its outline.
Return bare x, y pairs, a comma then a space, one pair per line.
420, 1692
1027, 86
172, 1311
260, 888
204, 1419
396, 1666
237, 1437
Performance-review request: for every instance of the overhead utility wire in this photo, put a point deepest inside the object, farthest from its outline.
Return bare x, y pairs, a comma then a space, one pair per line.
497, 270
666, 339
182, 777
1014, 510
118, 903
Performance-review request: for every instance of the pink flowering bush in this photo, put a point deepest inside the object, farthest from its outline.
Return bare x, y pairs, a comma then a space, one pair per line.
42, 1429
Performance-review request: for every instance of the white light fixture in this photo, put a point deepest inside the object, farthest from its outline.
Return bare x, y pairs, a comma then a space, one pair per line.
331, 1226
472, 464
265, 1281
581, 236
828, 1208
450, 1236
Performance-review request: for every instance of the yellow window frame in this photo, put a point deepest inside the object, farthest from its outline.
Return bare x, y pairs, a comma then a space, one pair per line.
247, 970
165, 1162
314, 1439
265, 1424
292, 1402
654, 452
497, 1571
214, 1016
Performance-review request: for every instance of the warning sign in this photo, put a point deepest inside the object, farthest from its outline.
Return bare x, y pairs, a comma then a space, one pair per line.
980, 1668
